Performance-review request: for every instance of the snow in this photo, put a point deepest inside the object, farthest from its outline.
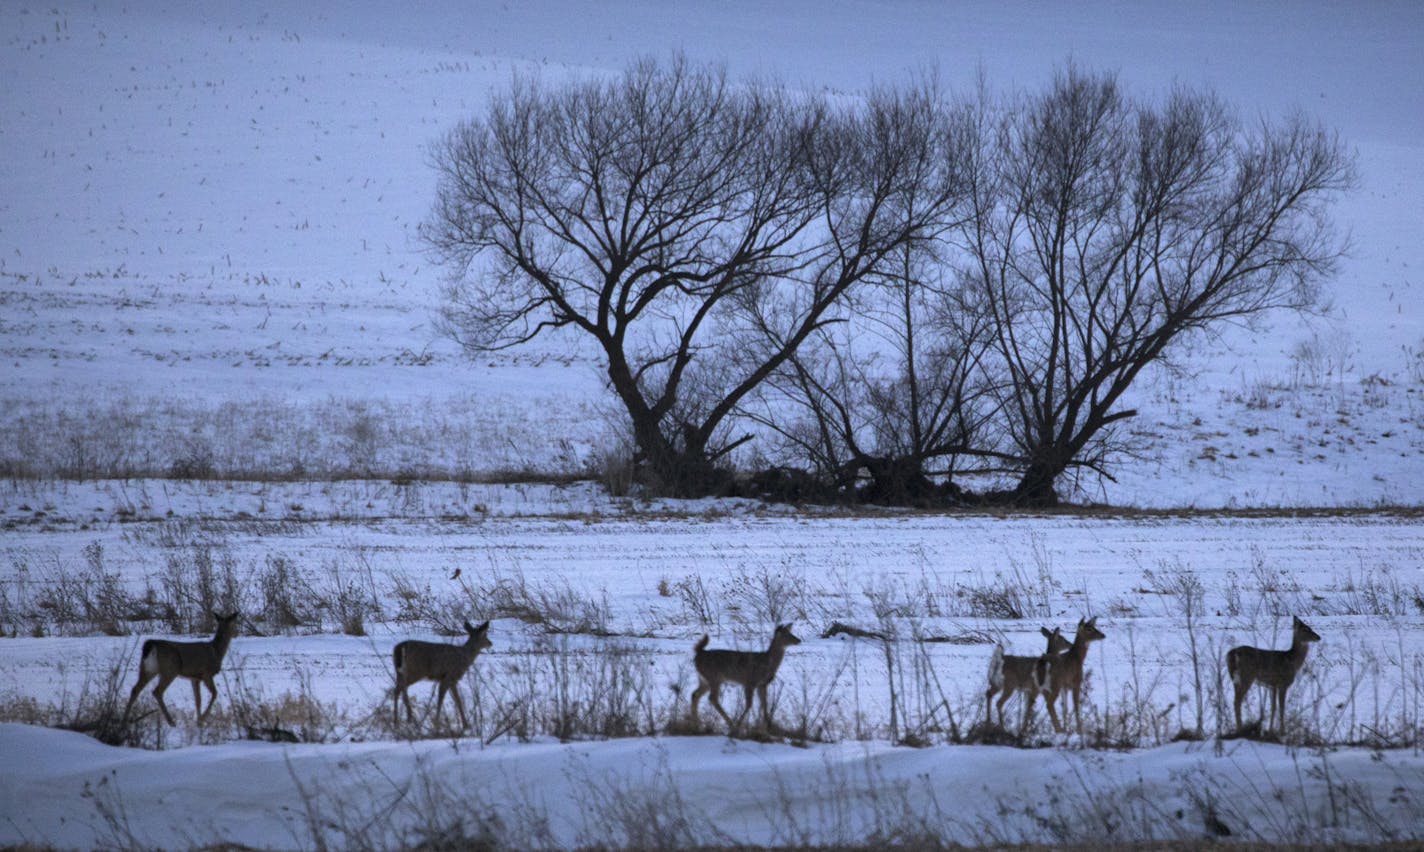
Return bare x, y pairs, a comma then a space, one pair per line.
218, 207
1353, 578
724, 791
208, 238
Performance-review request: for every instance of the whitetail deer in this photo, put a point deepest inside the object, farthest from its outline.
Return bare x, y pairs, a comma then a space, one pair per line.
1065, 675
445, 664
1012, 674
754, 670
1275, 670
197, 661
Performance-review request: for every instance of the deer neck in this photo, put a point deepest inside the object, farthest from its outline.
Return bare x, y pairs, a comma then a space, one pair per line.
774, 655
222, 639
1297, 652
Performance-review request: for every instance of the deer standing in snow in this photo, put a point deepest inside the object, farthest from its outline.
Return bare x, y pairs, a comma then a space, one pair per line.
445, 664
1275, 670
1009, 674
1066, 674
197, 661
754, 670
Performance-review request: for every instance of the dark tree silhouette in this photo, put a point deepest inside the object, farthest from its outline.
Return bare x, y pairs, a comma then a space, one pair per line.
697, 231
1104, 230
896, 393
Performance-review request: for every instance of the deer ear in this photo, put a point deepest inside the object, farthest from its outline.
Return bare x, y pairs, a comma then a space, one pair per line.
483, 626
1046, 632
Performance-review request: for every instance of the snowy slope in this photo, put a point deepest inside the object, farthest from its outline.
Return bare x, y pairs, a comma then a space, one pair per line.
213, 205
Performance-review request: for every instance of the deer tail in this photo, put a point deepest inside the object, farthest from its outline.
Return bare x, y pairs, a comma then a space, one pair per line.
147, 659
701, 644
398, 656
1232, 662
996, 668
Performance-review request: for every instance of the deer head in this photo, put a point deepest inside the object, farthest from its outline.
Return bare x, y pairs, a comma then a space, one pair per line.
479, 635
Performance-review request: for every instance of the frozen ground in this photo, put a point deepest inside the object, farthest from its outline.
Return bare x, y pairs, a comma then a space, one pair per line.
207, 253
654, 581
595, 605
679, 792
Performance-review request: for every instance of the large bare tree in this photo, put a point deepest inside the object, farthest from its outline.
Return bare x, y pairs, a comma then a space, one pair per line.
698, 231
1104, 230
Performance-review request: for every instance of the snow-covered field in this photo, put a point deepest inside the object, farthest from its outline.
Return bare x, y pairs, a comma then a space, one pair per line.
945, 588
595, 605
208, 256
682, 792
208, 231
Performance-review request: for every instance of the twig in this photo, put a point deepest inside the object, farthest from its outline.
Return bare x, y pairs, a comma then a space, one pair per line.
837, 628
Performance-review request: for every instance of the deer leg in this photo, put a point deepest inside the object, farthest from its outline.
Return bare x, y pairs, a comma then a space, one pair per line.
1052, 700
1003, 699
163, 681
212, 695
459, 705
989, 705
747, 690
1030, 696
197, 699
395, 700
1241, 687
697, 694
144, 677
440, 691
715, 696
765, 712
1077, 710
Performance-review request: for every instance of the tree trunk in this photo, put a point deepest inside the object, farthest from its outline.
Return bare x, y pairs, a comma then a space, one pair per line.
670, 470
1035, 488
897, 482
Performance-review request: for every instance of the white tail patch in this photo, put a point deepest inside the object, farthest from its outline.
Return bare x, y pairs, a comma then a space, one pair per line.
996, 668
1042, 673
149, 663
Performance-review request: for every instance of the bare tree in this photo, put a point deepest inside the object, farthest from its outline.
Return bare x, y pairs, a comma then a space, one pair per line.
1105, 230
697, 231
897, 391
